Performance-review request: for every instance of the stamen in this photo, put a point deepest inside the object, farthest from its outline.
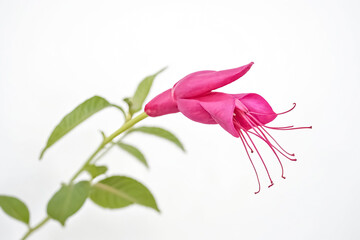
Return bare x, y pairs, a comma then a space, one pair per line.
261, 126
248, 145
271, 147
288, 110
267, 171
291, 159
291, 126
265, 139
262, 113
257, 176
287, 128
239, 127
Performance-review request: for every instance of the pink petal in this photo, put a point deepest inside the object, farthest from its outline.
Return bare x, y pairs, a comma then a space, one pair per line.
193, 110
162, 104
200, 83
257, 106
213, 108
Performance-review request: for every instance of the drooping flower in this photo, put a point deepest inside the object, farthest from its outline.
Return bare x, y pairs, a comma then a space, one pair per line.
242, 115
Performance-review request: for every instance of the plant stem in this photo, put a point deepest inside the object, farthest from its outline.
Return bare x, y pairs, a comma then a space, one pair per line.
103, 153
40, 224
87, 162
128, 124
112, 144
108, 139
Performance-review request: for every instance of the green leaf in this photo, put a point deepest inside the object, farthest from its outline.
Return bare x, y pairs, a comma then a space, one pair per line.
120, 191
15, 208
136, 102
159, 132
102, 134
128, 102
95, 171
74, 118
67, 201
134, 152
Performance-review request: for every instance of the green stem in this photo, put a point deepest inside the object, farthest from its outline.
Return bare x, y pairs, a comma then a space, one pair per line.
103, 153
128, 117
108, 139
40, 224
128, 124
112, 144
125, 127
86, 163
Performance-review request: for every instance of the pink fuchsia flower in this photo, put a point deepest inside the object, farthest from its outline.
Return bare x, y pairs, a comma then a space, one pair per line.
242, 115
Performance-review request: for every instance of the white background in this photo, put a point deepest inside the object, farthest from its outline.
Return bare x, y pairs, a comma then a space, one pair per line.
56, 54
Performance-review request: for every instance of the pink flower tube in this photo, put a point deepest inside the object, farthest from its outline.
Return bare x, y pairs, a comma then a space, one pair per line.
241, 115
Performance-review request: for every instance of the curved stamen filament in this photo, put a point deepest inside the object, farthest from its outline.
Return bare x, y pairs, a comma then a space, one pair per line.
261, 126
265, 139
267, 171
239, 126
287, 128
278, 150
291, 126
257, 176
272, 149
288, 110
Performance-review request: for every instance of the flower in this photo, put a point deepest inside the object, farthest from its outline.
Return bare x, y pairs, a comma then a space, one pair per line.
242, 115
